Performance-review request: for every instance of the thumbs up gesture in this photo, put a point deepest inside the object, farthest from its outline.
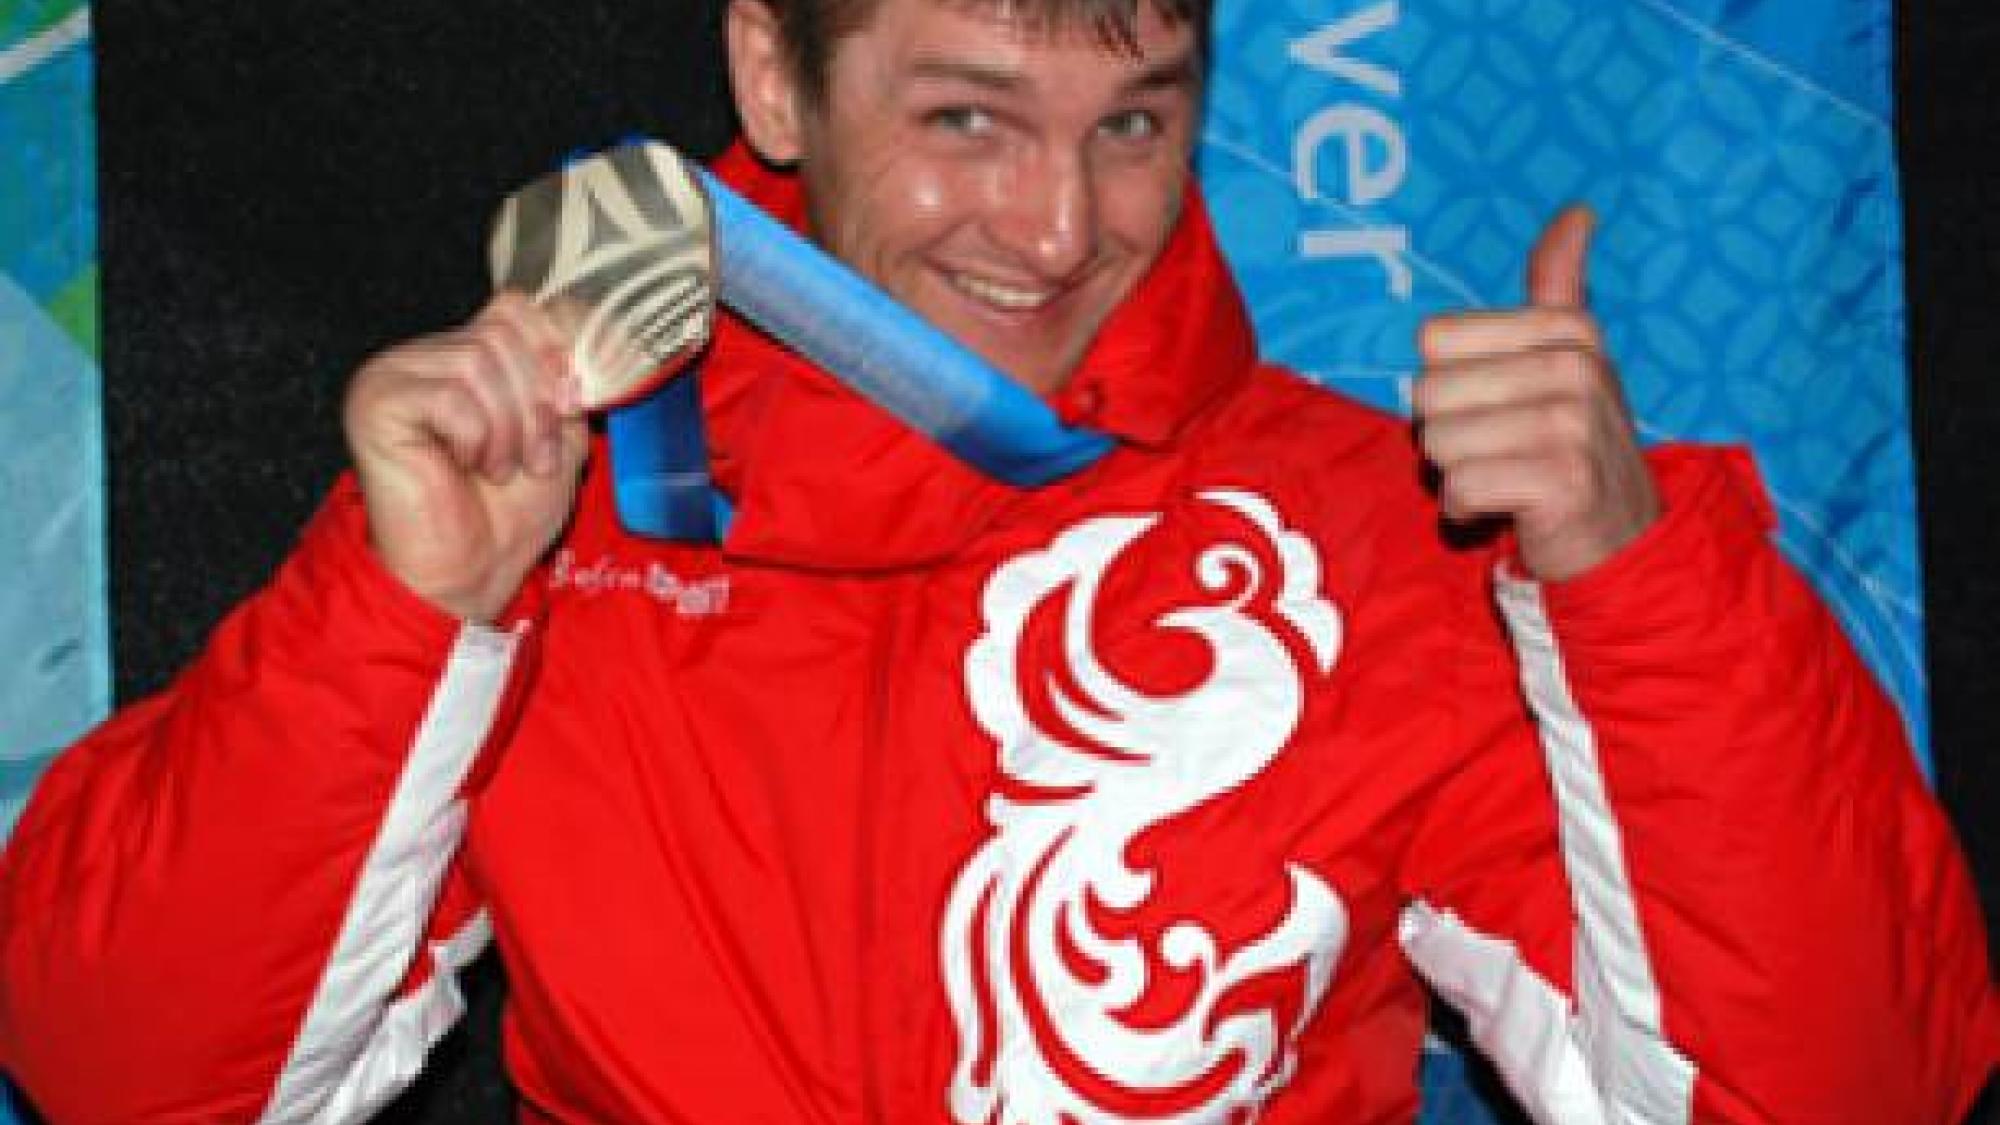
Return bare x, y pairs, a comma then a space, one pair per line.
1521, 415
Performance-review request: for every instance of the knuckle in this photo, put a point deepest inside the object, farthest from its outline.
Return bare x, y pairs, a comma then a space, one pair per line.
1463, 494
465, 372
381, 377
1575, 325
1566, 423
1433, 446
485, 362
534, 320
508, 308
362, 390
1599, 380
1424, 395
483, 336
1451, 492
506, 336
1574, 373
543, 423
1581, 366
505, 301
454, 402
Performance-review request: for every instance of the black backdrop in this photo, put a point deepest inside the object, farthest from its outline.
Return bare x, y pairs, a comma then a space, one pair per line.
289, 185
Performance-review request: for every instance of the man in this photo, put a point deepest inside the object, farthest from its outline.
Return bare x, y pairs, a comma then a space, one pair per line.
1144, 796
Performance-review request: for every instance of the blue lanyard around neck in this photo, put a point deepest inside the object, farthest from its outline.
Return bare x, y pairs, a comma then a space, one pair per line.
785, 285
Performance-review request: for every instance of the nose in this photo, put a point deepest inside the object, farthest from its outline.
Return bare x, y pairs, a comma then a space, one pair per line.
1047, 213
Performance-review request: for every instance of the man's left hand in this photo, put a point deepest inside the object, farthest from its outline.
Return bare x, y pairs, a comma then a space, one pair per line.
1521, 414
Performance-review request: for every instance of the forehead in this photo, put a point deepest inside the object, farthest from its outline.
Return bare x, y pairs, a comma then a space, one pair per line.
1053, 38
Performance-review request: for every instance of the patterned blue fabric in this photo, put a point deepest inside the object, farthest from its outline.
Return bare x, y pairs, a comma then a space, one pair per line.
55, 680
1748, 265
1372, 162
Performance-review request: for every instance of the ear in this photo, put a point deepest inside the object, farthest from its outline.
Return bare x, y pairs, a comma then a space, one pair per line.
769, 102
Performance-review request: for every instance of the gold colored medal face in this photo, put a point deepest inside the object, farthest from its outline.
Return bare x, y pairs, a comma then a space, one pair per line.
619, 249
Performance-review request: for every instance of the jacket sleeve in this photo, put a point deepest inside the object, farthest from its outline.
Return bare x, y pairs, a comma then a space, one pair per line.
1701, 879
214, 907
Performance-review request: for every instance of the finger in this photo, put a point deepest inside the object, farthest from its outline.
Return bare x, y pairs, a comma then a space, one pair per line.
555, 381
529, 391
556, 436
1528, 429
1556, 266
1488, 383
572, 444
455, 420
517, 381
413, 395
1477, 335
1505, 486
485, 369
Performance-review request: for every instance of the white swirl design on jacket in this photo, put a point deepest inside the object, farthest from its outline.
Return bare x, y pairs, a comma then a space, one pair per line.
1042, 998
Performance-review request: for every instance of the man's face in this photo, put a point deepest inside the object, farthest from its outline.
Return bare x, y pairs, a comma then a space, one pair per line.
1011, 184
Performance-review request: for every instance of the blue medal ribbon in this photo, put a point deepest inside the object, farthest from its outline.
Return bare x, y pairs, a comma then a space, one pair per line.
878, 347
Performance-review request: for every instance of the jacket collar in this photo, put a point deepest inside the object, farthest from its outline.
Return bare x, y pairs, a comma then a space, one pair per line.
824, 479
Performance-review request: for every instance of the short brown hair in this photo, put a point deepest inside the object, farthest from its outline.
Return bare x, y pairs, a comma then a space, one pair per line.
811, 28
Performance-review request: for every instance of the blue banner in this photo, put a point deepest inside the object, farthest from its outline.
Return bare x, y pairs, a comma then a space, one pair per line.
1373, 162
55, 681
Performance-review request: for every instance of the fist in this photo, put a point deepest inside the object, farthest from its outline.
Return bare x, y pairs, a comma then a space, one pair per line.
1521, 415
469, 446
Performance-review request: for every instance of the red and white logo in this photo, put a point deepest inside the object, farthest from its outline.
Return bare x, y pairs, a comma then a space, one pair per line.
1079, 993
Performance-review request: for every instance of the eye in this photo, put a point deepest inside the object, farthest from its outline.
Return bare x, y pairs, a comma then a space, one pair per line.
964, 120
1132, 125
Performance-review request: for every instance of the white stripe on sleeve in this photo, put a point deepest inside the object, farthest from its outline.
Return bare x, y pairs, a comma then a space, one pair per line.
352, 1039
1635, 1073
1517, 1018
409, 1029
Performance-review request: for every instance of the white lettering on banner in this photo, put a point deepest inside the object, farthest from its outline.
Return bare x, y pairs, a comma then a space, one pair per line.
1358, 125
1376, 149
697, 597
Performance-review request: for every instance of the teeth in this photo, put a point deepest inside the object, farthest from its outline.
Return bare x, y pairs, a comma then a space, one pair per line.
1004, 296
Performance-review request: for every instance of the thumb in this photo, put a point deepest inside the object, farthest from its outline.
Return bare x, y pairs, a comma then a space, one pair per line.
1556, 265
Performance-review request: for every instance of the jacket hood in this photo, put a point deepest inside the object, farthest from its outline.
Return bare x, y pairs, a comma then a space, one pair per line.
822, 478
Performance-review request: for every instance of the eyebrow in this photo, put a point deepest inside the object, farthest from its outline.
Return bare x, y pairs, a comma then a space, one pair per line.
1179, 72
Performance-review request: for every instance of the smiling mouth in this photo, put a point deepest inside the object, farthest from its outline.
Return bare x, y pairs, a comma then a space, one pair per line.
999, 295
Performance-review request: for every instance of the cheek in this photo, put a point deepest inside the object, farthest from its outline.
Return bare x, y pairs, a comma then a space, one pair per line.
1142, 210
926, 194
910, 201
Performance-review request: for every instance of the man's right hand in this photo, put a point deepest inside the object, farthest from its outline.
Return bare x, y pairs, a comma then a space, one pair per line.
469, 446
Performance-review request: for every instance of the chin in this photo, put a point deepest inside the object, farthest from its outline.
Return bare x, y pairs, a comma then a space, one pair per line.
1041, 378
1041, 370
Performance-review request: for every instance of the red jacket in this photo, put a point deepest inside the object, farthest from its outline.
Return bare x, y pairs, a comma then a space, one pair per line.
1145, 796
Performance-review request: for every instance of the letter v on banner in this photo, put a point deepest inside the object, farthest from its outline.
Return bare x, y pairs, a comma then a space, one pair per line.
1377, 153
